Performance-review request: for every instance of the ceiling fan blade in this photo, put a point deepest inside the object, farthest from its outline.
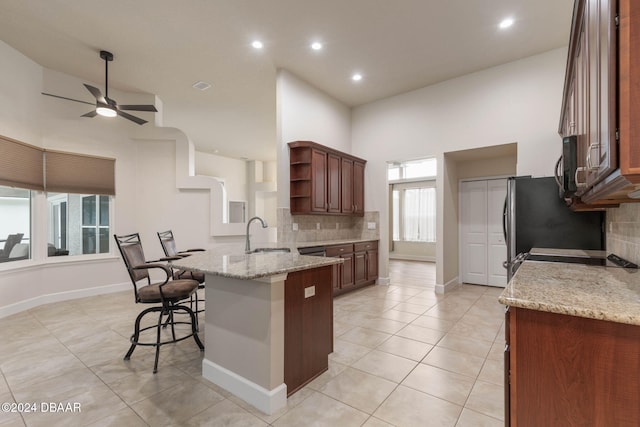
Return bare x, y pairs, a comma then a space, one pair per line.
91, 113
138, 108
128, 116
96, 93
68, 99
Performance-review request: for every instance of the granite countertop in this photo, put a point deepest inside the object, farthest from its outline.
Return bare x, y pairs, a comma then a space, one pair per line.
329, 242
234, 263
603, 293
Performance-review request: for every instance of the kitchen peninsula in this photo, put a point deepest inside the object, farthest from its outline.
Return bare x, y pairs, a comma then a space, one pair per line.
573, 345
268, 321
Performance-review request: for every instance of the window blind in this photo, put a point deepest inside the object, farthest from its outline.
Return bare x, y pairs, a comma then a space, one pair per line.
20, 165
78, 173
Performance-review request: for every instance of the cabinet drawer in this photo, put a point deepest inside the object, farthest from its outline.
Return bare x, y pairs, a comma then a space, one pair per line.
338, 250
365, 246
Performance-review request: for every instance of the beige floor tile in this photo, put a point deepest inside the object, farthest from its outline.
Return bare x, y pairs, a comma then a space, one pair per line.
412, 308
334, 369
418, 333
474, 330
175, 405
446, 313
346, 353
497, 350
136, 387
433, 323
225, 413
365, 337
454, 361
437, 382
399, 316
408, 407
319, 411
358, 389
376, 422
385, 325
340, 328
385, 365
124, 417
465, 345
488, 399
405, 347
470, 418
292, 401
492, 372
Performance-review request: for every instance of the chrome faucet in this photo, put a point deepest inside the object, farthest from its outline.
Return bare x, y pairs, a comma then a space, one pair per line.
247, 247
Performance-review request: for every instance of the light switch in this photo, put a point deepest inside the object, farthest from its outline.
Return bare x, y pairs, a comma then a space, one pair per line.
295, 226
371, 225
309, 292
317, 226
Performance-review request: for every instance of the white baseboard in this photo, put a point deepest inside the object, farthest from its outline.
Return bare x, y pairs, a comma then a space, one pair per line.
412, 257
447, 287
20, 306
267, 401
383, 281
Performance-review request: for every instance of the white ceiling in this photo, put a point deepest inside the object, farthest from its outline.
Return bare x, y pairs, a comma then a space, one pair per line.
162, 47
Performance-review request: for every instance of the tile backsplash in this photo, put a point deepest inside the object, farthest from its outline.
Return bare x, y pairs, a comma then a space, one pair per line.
623, 231
318, 228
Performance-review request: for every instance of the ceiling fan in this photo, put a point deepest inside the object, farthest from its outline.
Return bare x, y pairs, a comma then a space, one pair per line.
106, 106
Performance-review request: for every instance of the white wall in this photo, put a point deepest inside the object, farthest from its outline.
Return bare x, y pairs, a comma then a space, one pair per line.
146, 198
304, 113
516, 102
233, 171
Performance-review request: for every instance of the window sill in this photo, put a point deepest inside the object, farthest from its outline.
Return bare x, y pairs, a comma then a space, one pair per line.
28, 264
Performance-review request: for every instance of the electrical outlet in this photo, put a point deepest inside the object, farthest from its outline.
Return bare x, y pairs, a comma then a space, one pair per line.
295, 226
317, 226
371, 225
337, 225
309, 291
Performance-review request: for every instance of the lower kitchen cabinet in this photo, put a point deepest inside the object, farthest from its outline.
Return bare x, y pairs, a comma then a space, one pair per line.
570, 371
308, 326
360, 266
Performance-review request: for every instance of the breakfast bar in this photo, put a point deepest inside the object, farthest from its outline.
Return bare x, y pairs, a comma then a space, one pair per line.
256, 307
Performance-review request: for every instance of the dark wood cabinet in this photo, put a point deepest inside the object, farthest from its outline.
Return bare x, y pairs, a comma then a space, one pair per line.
360, 266
308, 326
570, 371
324, 180
602, 83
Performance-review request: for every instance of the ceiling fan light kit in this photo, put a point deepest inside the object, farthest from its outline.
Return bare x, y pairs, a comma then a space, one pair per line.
105, 106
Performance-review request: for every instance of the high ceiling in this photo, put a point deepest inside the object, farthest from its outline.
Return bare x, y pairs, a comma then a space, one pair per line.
163, 47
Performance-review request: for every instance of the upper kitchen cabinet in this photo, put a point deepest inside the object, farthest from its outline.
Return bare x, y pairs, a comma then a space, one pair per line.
324, 180
601, 84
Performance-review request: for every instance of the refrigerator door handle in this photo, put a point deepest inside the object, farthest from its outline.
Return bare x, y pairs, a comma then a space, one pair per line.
504, 219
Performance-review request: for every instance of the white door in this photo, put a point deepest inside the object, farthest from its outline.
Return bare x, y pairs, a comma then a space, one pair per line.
483, 247
497, 247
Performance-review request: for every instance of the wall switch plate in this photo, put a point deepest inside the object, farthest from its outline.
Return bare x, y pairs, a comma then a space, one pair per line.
317, 226
337, 225
309, 292
371, 225
295, 226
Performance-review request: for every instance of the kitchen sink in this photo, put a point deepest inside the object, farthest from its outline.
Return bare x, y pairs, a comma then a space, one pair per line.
269, 250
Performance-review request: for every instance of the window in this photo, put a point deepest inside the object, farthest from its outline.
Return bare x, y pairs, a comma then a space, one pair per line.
414, 212
413, 200
78, 224
413, 169
15, 224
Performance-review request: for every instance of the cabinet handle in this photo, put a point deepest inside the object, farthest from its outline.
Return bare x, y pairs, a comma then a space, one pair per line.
592, 146
341, 249
578, 183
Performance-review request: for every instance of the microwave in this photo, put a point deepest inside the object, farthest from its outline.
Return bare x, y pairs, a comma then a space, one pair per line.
569, 165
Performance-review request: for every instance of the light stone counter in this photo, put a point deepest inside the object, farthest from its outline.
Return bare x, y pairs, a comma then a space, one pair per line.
603, 293
238, 265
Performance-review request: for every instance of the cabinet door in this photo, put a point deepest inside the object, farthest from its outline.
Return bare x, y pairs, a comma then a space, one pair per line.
360, 267
601, 158
319, 181
347, 271
372, 265
333, 183
358, 188
347, 186
336, 279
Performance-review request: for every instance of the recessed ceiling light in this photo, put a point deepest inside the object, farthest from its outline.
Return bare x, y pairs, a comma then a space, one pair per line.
257, 44
506, 23
356, 77
201, 85
316, 45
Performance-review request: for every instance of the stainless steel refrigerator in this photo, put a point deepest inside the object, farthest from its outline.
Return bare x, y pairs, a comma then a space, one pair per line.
536, 216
